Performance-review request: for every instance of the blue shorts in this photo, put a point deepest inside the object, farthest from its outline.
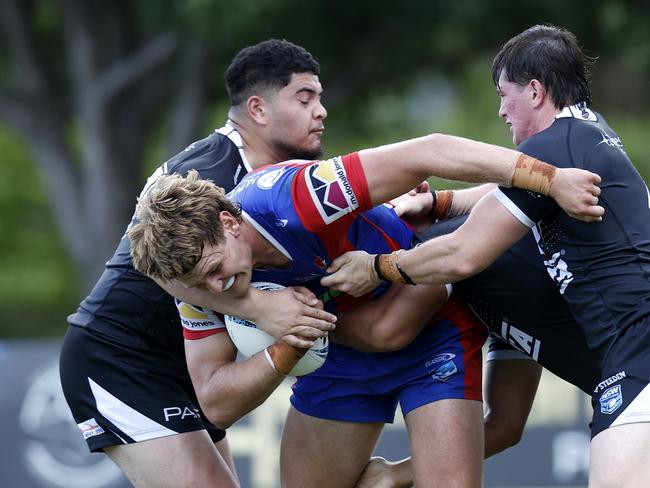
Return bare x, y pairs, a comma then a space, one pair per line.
443, 362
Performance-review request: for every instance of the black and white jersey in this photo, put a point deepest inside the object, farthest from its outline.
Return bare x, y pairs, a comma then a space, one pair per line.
517, 301
602, 270
124, 300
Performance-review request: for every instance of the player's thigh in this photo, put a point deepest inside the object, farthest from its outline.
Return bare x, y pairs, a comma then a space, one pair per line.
619, 457
319, 452
446, 440
188, 460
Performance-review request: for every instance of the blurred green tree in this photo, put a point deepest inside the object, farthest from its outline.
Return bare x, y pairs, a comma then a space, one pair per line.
103, 91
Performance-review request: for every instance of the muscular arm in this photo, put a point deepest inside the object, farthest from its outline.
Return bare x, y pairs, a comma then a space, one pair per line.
391, 322
487, 233
294, 315
416, 207
228, 390
462, 159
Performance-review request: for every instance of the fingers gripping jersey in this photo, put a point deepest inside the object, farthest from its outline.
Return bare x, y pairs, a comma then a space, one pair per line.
313, 213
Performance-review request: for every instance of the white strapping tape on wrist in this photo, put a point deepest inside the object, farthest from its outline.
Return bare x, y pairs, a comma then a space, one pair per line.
269, 359
449, 289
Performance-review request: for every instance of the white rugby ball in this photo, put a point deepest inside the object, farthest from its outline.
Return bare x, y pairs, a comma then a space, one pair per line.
249, 340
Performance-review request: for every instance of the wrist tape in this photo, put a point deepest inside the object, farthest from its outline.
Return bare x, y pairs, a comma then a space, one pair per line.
533, 174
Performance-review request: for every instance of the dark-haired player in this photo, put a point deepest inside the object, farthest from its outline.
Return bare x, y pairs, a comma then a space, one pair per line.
123, 365
602, 270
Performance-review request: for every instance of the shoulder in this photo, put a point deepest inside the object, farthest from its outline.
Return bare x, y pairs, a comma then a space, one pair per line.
215, 157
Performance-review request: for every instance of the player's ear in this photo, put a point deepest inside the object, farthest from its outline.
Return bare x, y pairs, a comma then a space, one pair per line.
538, 92
256, 109
229, 223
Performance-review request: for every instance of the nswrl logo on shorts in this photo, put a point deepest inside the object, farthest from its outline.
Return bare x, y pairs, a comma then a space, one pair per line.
611, 399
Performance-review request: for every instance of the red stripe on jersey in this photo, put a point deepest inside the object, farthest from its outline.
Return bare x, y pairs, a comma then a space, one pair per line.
357, 176
393, 245
473, 335
192, 335
307, 204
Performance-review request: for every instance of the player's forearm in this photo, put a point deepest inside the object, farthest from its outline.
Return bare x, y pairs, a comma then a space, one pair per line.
453, 158
244, 307
393, 321
463, 253
237, 388
465, 199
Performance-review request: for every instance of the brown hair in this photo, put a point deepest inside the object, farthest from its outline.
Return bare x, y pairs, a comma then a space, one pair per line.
174, 219
551, 55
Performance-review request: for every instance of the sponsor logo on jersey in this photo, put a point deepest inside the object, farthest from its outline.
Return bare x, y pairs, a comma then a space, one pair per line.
197, 318
330, 189
610, 381
442, 366
180, 412
281, 222
558, 270
90, 428
519, 339
611, 141
611, 400
268, 179
556, 267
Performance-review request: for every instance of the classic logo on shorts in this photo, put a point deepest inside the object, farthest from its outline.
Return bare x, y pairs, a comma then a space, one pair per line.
611, 399
330, 189
90, 428
442, 366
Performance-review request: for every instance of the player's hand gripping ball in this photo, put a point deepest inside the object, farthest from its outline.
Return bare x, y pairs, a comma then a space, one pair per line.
249, 340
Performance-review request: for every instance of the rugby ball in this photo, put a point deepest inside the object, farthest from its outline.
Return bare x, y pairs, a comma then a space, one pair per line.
249, 340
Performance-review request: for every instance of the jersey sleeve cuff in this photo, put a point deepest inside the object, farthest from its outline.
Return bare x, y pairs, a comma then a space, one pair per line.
512, 208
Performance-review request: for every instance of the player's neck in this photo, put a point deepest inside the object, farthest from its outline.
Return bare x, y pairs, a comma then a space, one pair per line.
259, 152
265, 255
546, 116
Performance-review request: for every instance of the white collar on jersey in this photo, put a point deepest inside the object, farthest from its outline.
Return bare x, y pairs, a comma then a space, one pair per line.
259, 228
231, 133
577, 111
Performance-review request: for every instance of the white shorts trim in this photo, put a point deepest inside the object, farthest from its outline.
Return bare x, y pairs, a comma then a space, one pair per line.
636, 412
507, 354
125, 418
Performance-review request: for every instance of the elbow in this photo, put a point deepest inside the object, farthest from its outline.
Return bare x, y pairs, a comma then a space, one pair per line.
217, 412
219, 417
388, 343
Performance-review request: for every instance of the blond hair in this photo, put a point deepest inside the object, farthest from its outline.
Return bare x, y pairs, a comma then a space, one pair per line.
175, 218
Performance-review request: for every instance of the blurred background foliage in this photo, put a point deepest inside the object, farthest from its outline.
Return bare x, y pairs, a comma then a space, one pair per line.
94, 95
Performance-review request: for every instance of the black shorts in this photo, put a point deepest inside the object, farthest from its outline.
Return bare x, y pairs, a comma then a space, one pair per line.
623, 394
123, 391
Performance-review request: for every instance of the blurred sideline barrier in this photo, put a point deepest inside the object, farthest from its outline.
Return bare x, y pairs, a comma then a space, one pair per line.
42, 446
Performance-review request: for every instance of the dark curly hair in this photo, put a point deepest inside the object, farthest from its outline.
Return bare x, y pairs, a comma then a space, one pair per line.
267, 65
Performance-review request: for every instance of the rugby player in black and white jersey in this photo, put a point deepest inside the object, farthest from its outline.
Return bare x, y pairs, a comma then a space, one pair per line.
530, 327
600, 269
123, 366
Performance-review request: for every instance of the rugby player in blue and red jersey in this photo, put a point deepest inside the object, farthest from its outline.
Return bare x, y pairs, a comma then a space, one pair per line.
295, 219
